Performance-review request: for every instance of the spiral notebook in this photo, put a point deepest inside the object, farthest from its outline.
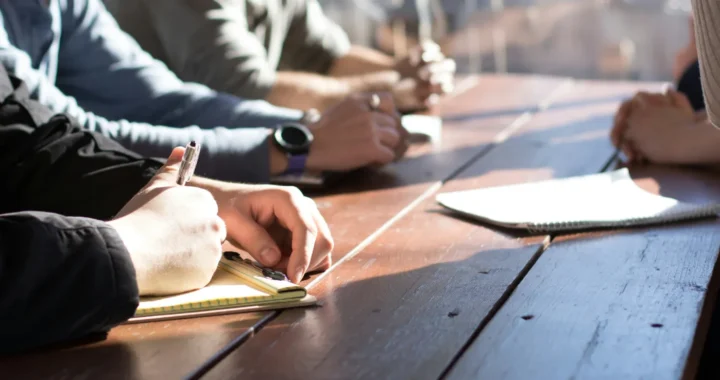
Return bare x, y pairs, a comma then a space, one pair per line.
237, 286
607, 200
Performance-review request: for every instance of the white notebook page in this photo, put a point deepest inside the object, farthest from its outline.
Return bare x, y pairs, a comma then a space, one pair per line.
607, 199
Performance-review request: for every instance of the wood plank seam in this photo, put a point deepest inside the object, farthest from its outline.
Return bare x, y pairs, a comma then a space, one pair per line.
501, 301
546, 243
225, 351
372, 237
501, 137
692, 365
690, 368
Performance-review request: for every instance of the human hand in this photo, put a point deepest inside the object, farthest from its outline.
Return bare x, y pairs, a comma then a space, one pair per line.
351, 135
426, 74
660, 131
172, 232
280, 227
642, 100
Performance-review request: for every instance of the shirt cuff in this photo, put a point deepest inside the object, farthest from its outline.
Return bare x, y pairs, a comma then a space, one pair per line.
239, 155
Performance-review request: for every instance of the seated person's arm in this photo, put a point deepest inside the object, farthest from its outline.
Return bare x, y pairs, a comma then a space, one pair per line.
66, 277
664, 129
317, 44
210, 42
61, 278
223, 148
707, 29
118, 81
361, 60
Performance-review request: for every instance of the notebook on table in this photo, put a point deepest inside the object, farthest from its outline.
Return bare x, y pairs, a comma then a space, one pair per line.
422, 128
607, 200
237, 286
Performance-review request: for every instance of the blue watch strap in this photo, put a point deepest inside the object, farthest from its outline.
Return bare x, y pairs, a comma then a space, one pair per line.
296, 163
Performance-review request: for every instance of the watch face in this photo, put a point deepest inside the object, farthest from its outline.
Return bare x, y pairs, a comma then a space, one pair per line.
294, 138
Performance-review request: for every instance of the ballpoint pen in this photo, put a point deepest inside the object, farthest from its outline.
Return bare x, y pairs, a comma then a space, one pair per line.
189, 161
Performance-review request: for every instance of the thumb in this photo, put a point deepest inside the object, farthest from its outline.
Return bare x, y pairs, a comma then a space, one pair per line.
167, 174
253, 238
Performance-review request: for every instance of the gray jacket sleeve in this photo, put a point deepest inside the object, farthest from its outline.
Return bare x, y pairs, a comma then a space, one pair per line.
211, 42
61, 279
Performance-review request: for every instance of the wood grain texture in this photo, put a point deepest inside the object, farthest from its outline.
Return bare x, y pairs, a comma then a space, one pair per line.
409, 302
354, 210
611, 305
366, 200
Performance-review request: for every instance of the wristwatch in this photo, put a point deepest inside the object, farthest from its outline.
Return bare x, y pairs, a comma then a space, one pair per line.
294, 139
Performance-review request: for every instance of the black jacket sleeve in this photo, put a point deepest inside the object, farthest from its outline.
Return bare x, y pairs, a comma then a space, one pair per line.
61, 278
48, 163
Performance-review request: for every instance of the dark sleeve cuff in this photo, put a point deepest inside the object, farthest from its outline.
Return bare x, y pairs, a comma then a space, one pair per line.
122, 306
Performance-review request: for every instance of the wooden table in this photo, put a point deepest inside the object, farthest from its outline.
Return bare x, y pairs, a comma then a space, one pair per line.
416, 293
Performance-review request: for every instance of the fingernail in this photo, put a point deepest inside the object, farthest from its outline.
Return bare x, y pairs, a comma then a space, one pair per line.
299, 274
269, 256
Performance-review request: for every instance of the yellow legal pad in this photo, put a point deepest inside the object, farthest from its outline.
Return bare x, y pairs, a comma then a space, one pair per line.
236, 287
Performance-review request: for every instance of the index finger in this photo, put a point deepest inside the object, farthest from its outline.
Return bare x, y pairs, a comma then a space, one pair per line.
304, 233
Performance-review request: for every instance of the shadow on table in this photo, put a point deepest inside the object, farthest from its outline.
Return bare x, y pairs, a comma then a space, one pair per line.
574, 139
418, 307
153, 350
423, 301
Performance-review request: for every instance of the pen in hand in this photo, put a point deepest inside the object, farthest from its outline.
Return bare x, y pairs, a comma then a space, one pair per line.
189, 161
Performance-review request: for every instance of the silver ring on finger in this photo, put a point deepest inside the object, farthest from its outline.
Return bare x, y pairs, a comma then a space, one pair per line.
374, 102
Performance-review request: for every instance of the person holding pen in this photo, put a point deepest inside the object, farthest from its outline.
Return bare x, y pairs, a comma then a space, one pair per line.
87, 226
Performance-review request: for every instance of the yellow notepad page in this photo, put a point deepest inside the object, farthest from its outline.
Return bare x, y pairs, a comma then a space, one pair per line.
233, 285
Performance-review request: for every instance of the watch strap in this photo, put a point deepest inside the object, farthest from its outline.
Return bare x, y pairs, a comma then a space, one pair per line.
296, 163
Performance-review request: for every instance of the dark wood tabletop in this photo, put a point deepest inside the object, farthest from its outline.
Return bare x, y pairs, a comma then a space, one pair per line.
416, 293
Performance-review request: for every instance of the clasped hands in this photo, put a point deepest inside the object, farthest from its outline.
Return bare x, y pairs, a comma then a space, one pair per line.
425, 75
657, 128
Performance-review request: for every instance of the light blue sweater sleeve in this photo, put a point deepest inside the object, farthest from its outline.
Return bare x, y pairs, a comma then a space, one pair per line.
110, 85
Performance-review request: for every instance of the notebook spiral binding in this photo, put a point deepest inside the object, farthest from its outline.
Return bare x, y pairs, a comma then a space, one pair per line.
664, 218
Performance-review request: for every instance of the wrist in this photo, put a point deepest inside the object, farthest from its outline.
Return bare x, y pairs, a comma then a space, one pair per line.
130, 239
378, 81
278, 158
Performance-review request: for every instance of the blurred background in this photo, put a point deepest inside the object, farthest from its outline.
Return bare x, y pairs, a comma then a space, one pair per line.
593, 39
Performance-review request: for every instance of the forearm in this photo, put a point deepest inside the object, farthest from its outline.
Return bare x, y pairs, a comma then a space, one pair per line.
228, 154
361, 60
239, 155
308, 90
63, 278
707, 31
